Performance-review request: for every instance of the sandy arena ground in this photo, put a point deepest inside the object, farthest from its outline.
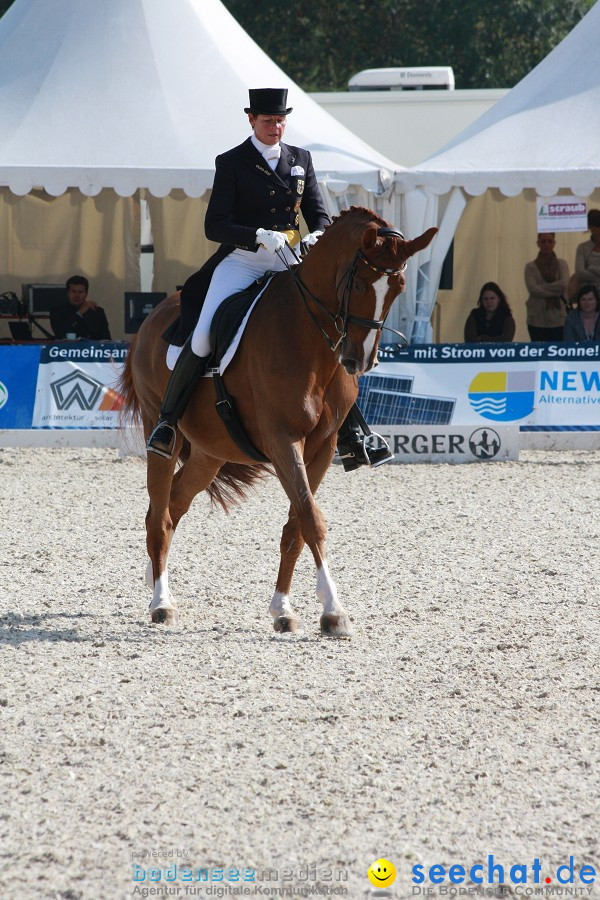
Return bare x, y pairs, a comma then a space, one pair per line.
461, 721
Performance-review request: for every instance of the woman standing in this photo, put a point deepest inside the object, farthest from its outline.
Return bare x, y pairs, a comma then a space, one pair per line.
583, 323
587, 256
546, 278
492, 319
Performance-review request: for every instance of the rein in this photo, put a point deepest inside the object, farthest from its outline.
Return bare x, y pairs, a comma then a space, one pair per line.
342, 317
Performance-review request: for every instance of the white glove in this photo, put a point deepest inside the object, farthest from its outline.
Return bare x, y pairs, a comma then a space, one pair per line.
271, 240
311, 239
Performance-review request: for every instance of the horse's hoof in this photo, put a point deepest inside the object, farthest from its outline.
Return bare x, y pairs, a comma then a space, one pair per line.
286, 625
165, 616
335, 626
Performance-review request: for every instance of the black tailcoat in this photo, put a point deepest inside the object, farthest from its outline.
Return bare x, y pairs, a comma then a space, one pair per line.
247, 194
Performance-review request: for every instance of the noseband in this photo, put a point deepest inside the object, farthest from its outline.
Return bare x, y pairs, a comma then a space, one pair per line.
342, 318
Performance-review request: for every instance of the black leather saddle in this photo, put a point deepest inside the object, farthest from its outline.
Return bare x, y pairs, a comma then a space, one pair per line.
229, 316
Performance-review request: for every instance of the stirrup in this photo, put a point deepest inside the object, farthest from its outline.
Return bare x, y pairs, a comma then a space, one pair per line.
355, 452
379, 454
162, 439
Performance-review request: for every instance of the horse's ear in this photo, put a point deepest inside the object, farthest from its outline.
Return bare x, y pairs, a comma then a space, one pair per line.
419, 243
370, 236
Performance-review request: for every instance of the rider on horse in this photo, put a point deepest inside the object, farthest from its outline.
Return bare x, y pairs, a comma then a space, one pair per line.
259, 190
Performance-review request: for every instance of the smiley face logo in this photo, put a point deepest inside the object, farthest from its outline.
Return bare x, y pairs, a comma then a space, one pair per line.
381, 873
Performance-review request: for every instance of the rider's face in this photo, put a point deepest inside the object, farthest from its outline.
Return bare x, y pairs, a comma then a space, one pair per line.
268, 129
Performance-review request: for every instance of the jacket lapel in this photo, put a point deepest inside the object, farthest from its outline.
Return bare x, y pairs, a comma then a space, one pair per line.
284, 167
255, 159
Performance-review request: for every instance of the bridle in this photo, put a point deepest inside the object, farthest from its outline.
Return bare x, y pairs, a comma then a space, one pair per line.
342, 318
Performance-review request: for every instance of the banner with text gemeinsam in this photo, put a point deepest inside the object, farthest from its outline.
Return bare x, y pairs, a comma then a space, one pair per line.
76, 385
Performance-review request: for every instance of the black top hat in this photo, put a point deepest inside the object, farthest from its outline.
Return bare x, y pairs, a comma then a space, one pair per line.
268, 101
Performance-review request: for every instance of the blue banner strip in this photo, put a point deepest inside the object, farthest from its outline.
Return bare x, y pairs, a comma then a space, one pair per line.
18, 382
559, 428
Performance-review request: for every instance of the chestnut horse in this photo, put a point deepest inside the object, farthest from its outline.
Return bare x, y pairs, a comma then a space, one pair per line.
294, 379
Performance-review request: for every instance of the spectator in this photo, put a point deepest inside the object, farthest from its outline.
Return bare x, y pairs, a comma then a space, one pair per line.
492, 319
546, 278
79, 316
583, 323
587, 256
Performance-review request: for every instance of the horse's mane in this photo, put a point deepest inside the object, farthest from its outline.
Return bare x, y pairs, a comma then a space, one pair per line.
358, 212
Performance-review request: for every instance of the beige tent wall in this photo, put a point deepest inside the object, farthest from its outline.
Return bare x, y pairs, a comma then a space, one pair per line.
180, 246
495, 238
46, 239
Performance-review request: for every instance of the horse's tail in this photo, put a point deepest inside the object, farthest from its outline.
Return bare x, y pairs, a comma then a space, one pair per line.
131, 412
233, 482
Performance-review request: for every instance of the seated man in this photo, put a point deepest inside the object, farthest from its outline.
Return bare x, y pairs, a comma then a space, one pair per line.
79, 316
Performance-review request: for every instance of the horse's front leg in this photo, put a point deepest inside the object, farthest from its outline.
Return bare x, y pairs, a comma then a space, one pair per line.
306, 525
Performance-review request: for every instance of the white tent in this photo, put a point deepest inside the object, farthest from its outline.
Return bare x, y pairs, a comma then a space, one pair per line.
544, 135
102, 100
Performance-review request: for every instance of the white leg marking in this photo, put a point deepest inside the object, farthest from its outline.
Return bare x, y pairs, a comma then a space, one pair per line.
280, 605
162, 598
381, 288
149, 576
327, 591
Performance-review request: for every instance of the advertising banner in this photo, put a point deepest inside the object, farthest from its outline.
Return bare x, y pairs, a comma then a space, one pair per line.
18, 377
561, 214
451, 443
76, 385
537, 386
434, 401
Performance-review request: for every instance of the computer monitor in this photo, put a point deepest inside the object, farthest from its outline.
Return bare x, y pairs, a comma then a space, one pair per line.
138, 304
20, 331
41, 298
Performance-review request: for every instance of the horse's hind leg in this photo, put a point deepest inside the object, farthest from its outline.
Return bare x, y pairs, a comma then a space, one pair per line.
194, 476
159, 534
290, 548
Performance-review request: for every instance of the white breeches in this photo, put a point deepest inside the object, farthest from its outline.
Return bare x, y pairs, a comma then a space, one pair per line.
236, 272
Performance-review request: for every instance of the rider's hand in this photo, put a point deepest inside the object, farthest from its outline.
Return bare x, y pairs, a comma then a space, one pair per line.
271, 240
311, 239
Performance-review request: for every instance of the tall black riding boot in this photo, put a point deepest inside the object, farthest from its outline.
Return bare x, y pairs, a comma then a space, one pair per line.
351, 445
184, 378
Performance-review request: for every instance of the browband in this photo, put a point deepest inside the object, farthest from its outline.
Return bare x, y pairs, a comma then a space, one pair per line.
389, 232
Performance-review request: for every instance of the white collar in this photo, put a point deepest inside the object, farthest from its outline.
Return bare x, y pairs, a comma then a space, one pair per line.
272, 150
